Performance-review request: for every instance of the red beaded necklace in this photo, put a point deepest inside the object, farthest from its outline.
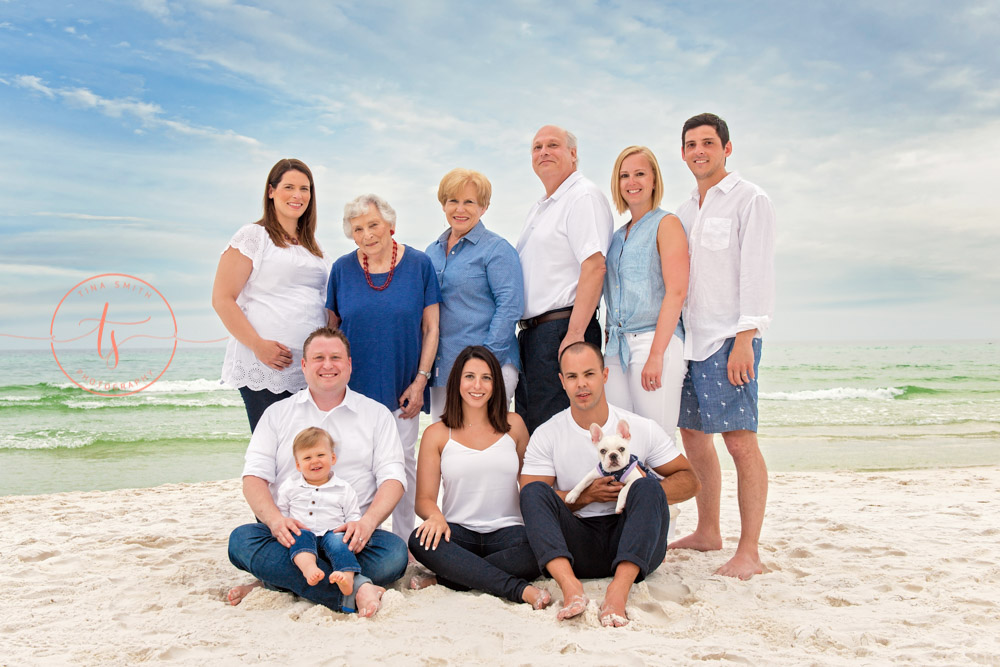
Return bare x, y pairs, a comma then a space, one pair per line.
392, 269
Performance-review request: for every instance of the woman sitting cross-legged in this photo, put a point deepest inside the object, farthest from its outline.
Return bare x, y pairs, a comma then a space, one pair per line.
476, 540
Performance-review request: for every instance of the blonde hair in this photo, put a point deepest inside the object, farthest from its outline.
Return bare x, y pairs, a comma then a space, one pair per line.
308, 438
616, 191
456, 179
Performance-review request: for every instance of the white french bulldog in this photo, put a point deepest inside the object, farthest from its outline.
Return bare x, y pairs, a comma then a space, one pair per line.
615, 461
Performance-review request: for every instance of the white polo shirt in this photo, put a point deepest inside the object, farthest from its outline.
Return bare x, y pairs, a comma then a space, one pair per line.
731, 284
321, 508
560, 448
560, 232
369, 452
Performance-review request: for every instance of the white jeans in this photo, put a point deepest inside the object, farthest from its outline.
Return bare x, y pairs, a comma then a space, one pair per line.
624, 389
403, 516
438, 394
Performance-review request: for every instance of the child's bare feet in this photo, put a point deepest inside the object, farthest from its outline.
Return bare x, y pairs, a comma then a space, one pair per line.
237, 593
306, 562
368, 599
344, 581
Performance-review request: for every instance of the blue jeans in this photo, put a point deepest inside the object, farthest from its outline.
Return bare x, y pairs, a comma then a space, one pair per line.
596, 545
336, 551
257, 401
539, 393
253, 549
500, 563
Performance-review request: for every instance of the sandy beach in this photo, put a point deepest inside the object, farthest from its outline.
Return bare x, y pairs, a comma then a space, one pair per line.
865, 568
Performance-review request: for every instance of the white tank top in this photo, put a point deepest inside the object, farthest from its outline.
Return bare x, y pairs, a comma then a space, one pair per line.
480, 487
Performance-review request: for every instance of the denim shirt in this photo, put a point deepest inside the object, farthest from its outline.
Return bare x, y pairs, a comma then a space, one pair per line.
482, 292
633, 285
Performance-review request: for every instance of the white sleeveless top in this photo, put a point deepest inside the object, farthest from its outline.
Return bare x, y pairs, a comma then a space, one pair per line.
284, 299
480, 487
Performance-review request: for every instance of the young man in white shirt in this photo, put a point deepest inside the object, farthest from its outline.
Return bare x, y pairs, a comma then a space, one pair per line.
370, 460
586, 538
729, 306
562, 248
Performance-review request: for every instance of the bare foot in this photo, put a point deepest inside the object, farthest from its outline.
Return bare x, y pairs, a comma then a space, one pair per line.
538, 598
237, 593
368, 599
421, 581
344, 581
611, 617
698, 542
741, 567
573, 606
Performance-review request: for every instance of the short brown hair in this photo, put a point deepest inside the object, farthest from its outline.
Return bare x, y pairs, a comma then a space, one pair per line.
458, 178
577, 347
308, 438
616, 188
326, 332
709, 119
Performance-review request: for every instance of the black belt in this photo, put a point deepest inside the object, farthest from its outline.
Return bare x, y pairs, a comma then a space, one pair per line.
557, 314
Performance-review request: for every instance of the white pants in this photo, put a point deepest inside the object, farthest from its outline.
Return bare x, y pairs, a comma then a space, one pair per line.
403, 516
624, 389
438, 394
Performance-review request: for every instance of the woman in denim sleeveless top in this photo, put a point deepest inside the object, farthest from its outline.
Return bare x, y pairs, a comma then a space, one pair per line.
644, 289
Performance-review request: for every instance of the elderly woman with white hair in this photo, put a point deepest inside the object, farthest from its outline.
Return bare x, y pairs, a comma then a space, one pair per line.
384, 296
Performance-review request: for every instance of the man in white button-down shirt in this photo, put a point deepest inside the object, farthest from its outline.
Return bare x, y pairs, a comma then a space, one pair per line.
562, 248
370, 459
731, 229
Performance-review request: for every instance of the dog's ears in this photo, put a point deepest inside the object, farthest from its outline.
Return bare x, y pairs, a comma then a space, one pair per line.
595, 433
622, 429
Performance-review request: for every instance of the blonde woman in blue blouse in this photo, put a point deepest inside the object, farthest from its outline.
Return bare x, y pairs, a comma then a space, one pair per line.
644, 289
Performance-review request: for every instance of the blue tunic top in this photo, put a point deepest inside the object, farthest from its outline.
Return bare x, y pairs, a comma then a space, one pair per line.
383, 327
482, 292
633, 285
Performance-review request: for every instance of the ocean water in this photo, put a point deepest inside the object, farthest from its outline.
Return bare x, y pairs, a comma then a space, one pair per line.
823, 407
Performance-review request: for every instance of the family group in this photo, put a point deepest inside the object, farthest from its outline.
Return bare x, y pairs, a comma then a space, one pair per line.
335, 364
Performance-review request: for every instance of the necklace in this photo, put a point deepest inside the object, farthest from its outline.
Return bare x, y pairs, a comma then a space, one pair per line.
392, 269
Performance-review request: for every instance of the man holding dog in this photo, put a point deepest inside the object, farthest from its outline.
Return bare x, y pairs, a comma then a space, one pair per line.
731, 232
586, 538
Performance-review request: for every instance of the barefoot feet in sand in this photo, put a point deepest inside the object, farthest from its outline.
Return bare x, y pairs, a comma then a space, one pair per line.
422, 580
237, 593
344, 581
538, 598
698, 542
741, 566
368, 599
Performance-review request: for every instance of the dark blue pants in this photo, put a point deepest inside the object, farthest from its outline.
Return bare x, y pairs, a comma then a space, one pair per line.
595, 545
335, 550
500, 563
539, 394
253, 549
258, 401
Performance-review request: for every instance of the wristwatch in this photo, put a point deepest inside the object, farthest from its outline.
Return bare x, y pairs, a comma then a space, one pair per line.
426, 374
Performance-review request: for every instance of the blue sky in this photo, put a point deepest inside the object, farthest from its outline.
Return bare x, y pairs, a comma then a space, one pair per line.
135, 137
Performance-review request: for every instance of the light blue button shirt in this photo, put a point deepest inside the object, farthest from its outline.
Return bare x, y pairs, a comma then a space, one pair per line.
482, 293
633, 284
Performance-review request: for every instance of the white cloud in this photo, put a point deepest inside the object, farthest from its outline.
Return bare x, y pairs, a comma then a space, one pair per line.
90, 218
149, 114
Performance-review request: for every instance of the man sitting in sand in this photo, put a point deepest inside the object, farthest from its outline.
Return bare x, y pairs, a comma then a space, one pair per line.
321, 502
586, 538
371, 461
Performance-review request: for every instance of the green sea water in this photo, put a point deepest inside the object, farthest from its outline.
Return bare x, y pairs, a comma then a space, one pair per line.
822, 407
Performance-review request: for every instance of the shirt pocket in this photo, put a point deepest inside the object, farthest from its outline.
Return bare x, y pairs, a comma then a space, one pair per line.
715, 233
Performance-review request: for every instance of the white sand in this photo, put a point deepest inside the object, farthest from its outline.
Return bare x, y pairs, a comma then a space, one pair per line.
866, 568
